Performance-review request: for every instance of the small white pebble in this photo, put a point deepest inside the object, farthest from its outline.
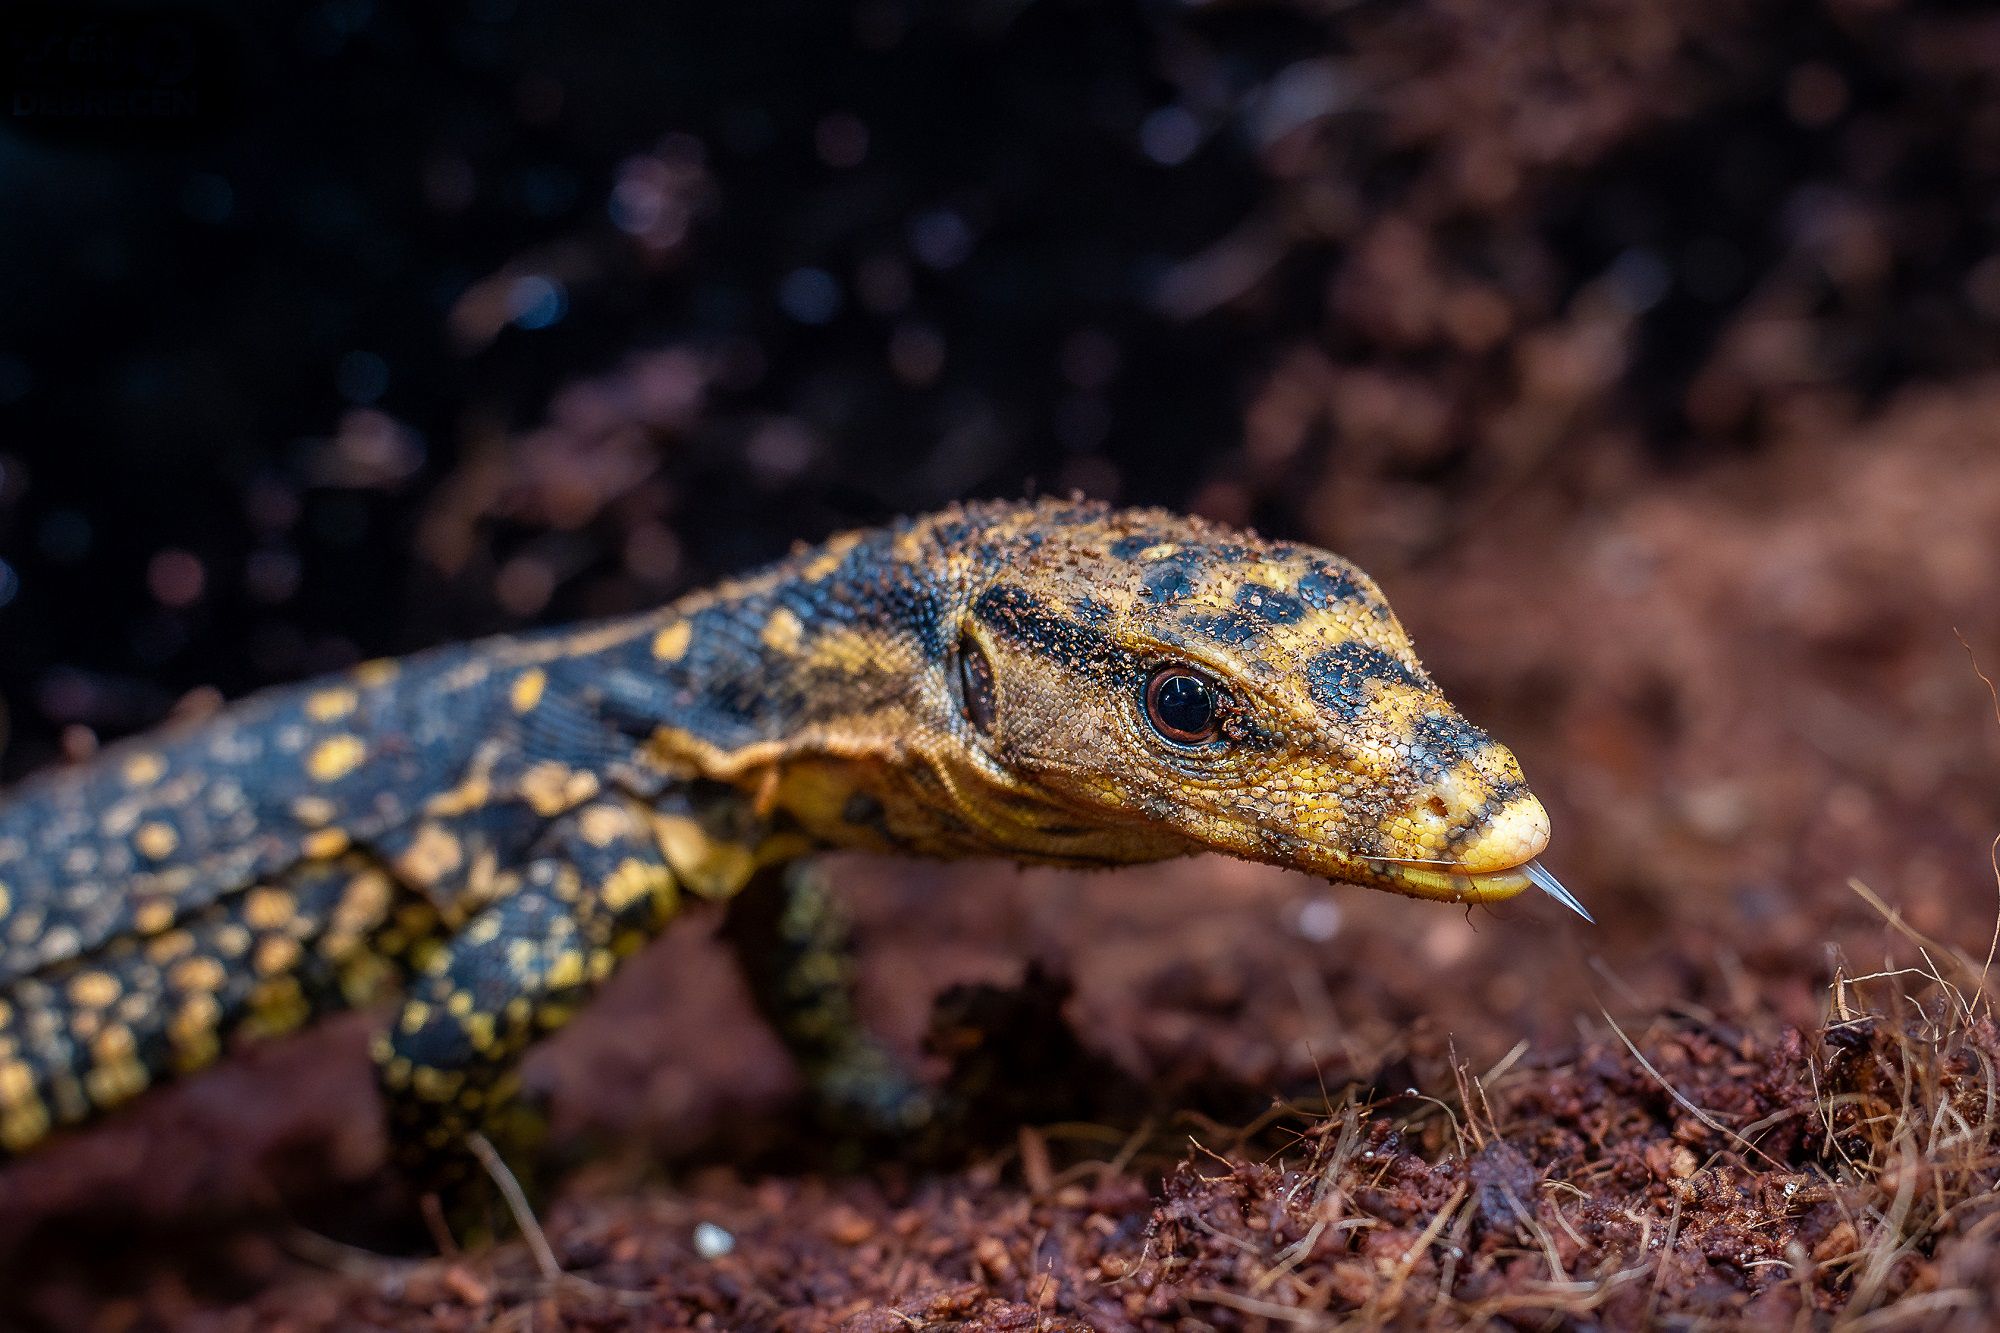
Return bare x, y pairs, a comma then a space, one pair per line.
1319, 920
711, 1241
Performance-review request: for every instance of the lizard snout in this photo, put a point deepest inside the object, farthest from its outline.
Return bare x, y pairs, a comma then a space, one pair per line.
1515, 835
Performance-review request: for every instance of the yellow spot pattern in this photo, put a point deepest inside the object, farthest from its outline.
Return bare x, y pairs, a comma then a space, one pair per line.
527, 689
377, 672
635, 881
275, 954
144, 769
671, 643
603, 824
193, 1032
17, 1083
432, 854
331, 705
153, 916
782, 632
269, 908
156, 840
314, 810
551, 788
94, 990
469, 795
325, 844
169, 946
197, 973
335, 757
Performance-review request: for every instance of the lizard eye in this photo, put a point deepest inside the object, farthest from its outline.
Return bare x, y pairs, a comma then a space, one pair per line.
975, 684
1183, 706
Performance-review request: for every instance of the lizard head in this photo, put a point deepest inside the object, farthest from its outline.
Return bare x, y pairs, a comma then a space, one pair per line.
1127, 685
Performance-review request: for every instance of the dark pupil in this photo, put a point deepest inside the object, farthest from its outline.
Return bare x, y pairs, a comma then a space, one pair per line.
1185, 704
975, 682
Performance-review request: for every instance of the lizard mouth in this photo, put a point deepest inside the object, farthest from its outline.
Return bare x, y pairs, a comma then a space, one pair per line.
1449, 883
1495, 864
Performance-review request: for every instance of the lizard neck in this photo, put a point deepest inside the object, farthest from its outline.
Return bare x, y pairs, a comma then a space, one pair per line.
829, 660
820, 692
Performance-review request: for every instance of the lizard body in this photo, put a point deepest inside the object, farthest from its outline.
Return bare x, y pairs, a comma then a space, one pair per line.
487, 829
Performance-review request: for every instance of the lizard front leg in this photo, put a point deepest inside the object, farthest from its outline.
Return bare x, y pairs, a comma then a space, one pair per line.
795, 948
595, 889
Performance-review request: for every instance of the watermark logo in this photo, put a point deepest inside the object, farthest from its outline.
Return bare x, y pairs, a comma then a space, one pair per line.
114, 75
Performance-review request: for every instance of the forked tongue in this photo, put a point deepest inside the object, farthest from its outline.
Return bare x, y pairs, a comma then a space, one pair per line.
1552, 886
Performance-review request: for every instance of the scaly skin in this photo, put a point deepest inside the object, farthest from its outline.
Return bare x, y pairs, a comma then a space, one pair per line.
487, 829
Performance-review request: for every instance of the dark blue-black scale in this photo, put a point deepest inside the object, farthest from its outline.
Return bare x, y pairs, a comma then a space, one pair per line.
1127, 548
911, 603
732, 689
1170, 578
953, 532
1444, 740
574, 723
1026, 619
725, 690
1327, 586
1450, 737
870, 589
1093, 612
1225, 627
1339, 678
1269, 604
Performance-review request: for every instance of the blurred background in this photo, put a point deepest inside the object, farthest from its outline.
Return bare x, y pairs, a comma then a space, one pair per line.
1645, 353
